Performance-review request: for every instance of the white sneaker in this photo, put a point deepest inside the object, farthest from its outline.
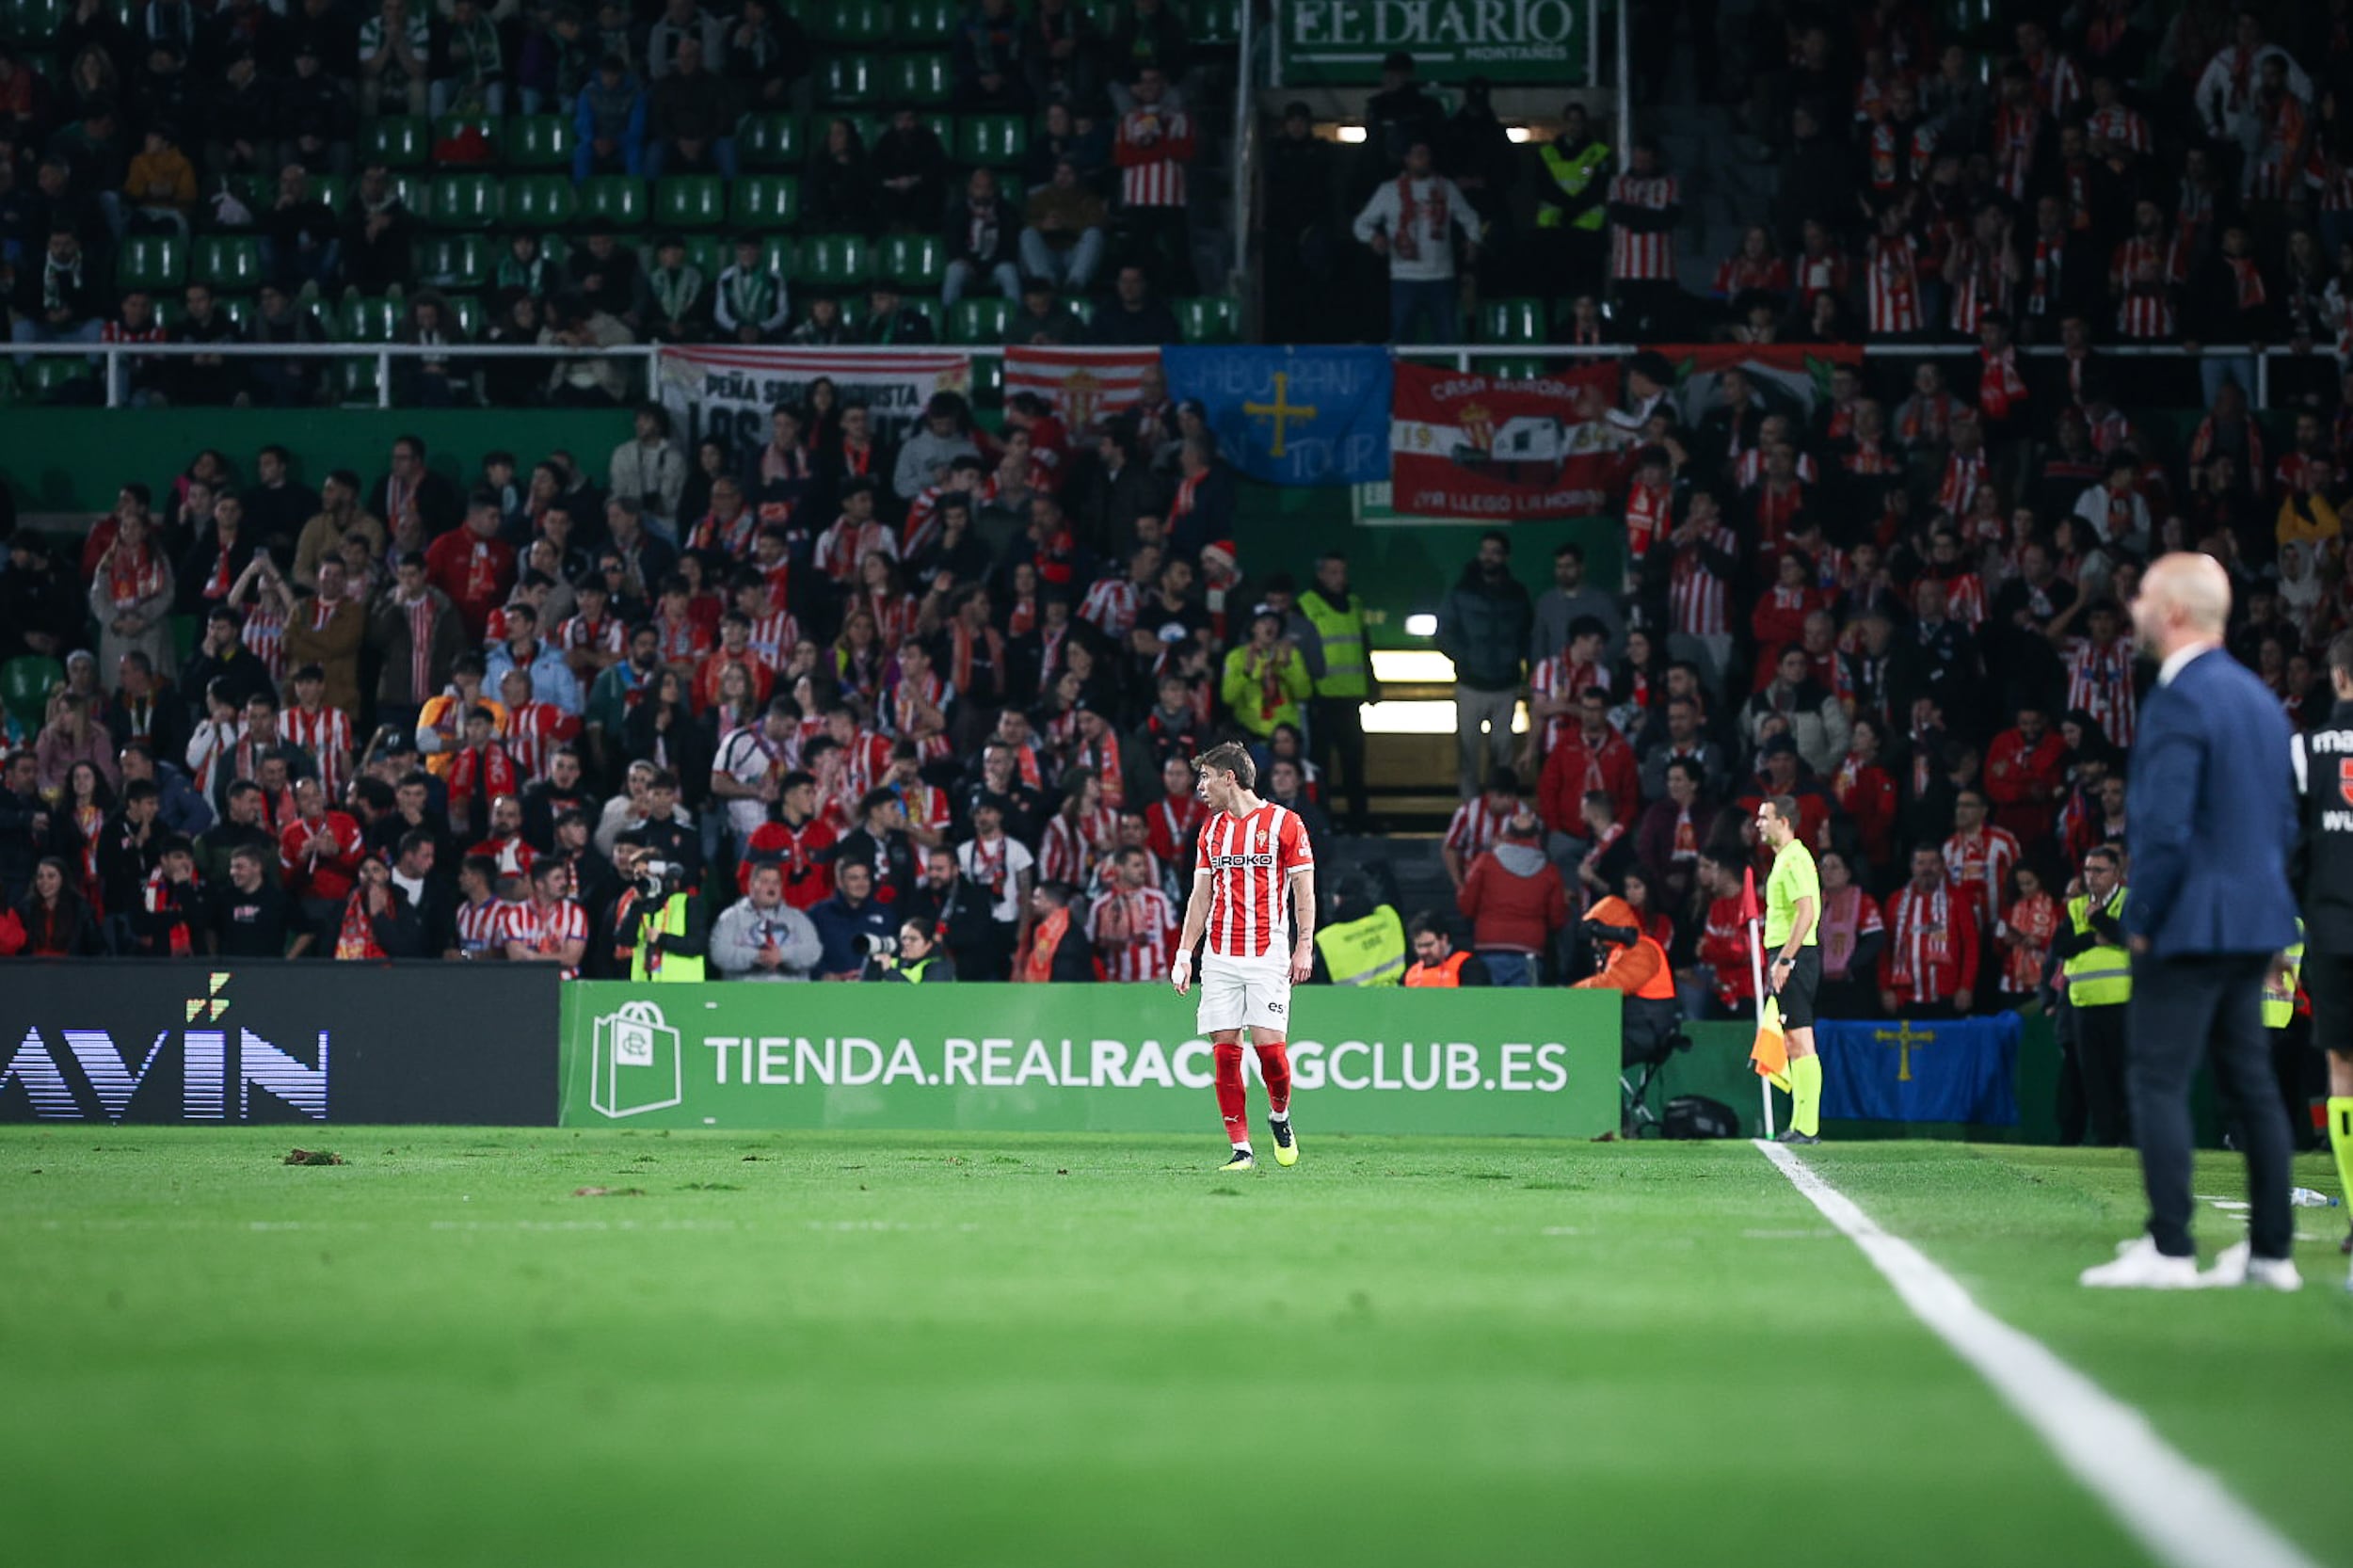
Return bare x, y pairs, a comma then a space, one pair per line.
2239, 1265
2139, 1266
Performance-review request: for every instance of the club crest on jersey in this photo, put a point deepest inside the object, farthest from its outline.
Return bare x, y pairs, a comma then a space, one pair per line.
2345, 779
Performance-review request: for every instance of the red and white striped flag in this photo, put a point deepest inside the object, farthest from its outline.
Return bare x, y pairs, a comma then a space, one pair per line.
1087, 387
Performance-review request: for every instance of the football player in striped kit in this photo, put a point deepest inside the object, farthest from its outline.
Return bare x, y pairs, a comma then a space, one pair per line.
1254, 870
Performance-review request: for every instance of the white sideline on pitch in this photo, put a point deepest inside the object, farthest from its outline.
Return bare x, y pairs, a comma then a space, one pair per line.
2181, 1513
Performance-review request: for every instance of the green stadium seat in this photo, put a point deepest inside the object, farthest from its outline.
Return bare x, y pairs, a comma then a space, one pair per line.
1512, 321
538, 200
369, 321
920, 78
1506, 367
24, 686
835, 261
150, 261
466, 309
918, 262
238, 308
53, 373
455, 261
927, 24
766, 200
450, 126
538, 141
996, 139
170, 310
927, 306
988, 379
332, 189
1209, 319
980, 320
712, 253
781, 254
619, 199
355, 382
31, 24
228, 261
396, 141
415, 191
849, 81
860, 23
465, 201
690, 202
769, 140
1216, 24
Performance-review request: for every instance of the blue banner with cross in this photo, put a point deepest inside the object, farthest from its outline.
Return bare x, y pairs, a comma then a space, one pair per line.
1292, 416
1922, 1070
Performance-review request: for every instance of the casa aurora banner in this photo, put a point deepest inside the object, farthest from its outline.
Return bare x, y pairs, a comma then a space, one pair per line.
1075, 1057
1452, 40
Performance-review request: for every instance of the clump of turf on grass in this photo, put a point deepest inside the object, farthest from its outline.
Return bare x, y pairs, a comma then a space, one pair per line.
313, 1156
711, 1186
608, 1192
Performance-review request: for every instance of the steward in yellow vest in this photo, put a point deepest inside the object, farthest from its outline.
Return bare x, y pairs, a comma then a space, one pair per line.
1576, 179
671, 942
1370, 951
2099, 970
2099, 977
2279, 1000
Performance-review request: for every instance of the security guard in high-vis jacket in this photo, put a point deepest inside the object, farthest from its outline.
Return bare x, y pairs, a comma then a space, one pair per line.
2099, 971
1572, 190
2324, 766
1336, 719
1367, 950
673, 940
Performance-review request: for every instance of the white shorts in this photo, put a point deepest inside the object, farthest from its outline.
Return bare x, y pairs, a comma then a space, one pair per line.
1244, 993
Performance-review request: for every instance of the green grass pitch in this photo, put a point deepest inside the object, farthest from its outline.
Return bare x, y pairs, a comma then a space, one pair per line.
945, 1351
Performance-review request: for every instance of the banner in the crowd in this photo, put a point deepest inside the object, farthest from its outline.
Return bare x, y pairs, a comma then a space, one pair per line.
1452, 40
235, 1041
1942, 1070
1075, 1059
1292, 416
1788, 379
729, 390
1086, 386
1501, 450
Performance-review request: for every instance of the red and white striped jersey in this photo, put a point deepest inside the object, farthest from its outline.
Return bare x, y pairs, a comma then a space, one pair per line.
865, 759
2127, 127
1478, 826
1559, 676
1980, 868
1816, 275
534, 731
1979, 282
544, 930
1964, 476
1155, 144
2017, 136
605, 636
1111, 607
327, 736
1893, 285
2057, 85
922, 529
1071, 849
1135, 933
1640, 257
1747, 470
2142, 275
1248, 860
841, 548
1697, 599
2099, 682
1964, 599
1648, 518
1900, 156
478, 928
773, 638
265, 636
2001, 385
2276, 164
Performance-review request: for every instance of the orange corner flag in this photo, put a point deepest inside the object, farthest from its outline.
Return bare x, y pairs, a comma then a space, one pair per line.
1769, 1056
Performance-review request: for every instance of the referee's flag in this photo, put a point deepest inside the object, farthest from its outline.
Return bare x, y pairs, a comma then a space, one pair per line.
1769, 1056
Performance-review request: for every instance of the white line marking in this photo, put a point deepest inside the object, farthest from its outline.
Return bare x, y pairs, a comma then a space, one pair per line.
2182, 1514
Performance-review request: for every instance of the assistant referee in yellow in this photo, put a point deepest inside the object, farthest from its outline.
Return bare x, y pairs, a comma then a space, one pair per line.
1793, 906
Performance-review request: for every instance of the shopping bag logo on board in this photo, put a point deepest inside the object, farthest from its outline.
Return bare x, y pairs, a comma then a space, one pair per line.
637, 1062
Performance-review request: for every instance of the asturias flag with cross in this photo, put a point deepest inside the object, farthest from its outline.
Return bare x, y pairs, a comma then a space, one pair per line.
1922, 1070
1292, 416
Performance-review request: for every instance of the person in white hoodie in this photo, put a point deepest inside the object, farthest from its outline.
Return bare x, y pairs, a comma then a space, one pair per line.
1411, 221
762, 936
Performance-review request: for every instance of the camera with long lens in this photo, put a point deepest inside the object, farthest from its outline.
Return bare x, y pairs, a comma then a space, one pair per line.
877, 947
658, 879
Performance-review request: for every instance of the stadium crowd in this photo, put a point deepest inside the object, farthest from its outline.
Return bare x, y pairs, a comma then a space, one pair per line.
252, 172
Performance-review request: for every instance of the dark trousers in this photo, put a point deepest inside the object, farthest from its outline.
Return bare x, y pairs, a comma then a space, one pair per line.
2070, 1107
2328, 981
2100, 1054
1337, 725
2182, 1010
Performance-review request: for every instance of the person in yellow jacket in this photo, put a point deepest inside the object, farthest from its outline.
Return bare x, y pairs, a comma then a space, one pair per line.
1345, 685
1572, 217
1266, 680
2099, 973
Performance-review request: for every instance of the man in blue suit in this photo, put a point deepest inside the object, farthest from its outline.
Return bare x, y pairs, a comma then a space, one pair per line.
2211, 819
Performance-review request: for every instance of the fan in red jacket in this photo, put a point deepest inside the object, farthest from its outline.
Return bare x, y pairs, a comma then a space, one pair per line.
1930, 966
1513, 897
1593, 756
2025, 774
474, 565
320, 849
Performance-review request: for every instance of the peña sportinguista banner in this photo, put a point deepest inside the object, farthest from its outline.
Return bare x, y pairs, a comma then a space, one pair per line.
1075, 1059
